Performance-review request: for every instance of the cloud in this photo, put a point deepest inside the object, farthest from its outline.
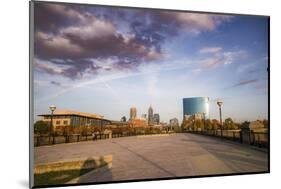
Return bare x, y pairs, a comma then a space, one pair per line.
45, 66
55, 83
210, 50
220, 57
196, 22
52, 17
80, 36
196, 71
244, 82
246, 67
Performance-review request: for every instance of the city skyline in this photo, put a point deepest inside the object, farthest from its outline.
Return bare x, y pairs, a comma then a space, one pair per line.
104, 61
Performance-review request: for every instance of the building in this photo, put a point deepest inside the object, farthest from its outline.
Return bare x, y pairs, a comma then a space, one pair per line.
150, 115
143, 116
198, 106
133, 113
137, 122
254, 125
74, 119
115, 124
156, 119
174, 122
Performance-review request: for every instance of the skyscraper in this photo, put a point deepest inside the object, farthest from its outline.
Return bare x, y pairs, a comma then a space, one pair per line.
150, 115
156, 119
196, 106
133, 113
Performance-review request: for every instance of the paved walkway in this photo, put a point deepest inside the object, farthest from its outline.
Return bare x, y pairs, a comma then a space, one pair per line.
159, 156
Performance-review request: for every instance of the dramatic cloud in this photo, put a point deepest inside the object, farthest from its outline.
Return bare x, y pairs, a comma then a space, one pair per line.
194, 22
77, 38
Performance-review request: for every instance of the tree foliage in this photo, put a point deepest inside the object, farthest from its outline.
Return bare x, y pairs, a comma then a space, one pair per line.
229, 124
265, 123
208, 125
245, 125
41, 127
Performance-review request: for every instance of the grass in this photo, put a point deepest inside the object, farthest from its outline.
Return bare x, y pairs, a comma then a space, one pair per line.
58, 177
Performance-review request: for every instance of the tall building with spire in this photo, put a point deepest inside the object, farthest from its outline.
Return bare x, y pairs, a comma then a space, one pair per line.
133, 113
150, 115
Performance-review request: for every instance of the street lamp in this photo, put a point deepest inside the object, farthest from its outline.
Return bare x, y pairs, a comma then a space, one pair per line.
219, 103
52, 108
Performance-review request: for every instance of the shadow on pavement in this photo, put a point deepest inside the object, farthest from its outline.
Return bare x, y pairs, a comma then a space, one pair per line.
100, 174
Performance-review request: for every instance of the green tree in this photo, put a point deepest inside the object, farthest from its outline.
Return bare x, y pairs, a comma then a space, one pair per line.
228, 124
41, 127
245, 125
177, 129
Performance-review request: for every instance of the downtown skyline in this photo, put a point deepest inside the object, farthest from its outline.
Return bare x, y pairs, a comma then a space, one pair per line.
105, 60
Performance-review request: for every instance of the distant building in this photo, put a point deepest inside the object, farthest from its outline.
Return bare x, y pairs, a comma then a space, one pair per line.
123, 119
115, 124
143, 116
150, 115
137, 122
174, 122
198, 106
156, 119
75, 119
164, 124
256, 125
199, 116
133, 113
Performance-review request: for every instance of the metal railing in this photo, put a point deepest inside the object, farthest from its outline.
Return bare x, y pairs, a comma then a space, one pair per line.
41, 140
259, 139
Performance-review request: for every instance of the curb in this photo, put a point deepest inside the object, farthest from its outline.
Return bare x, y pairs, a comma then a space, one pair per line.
72, 164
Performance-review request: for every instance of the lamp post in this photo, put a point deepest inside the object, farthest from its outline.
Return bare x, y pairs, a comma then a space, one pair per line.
52, 108
219, 103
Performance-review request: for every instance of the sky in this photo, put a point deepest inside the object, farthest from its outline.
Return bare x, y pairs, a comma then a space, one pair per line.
104, 60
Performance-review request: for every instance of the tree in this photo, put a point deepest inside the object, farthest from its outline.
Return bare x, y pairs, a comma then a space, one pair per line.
198, 124
123, 119
245, 125
265, 123
208, 124
177, 129
229, 124
41, 127
215, 124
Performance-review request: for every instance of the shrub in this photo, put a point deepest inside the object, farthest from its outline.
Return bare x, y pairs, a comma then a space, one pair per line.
41, 127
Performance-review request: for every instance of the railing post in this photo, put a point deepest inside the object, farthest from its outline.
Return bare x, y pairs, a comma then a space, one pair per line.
246, 136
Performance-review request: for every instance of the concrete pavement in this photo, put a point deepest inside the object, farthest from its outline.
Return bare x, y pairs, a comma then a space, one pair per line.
159, 157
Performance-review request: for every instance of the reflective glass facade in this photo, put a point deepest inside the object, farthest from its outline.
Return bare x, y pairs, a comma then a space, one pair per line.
196, 105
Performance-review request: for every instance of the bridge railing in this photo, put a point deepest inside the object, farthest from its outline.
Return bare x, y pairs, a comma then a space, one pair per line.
46, 139
250, 137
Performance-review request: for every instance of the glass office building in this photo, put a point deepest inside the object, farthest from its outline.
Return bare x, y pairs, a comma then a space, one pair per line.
196, 105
